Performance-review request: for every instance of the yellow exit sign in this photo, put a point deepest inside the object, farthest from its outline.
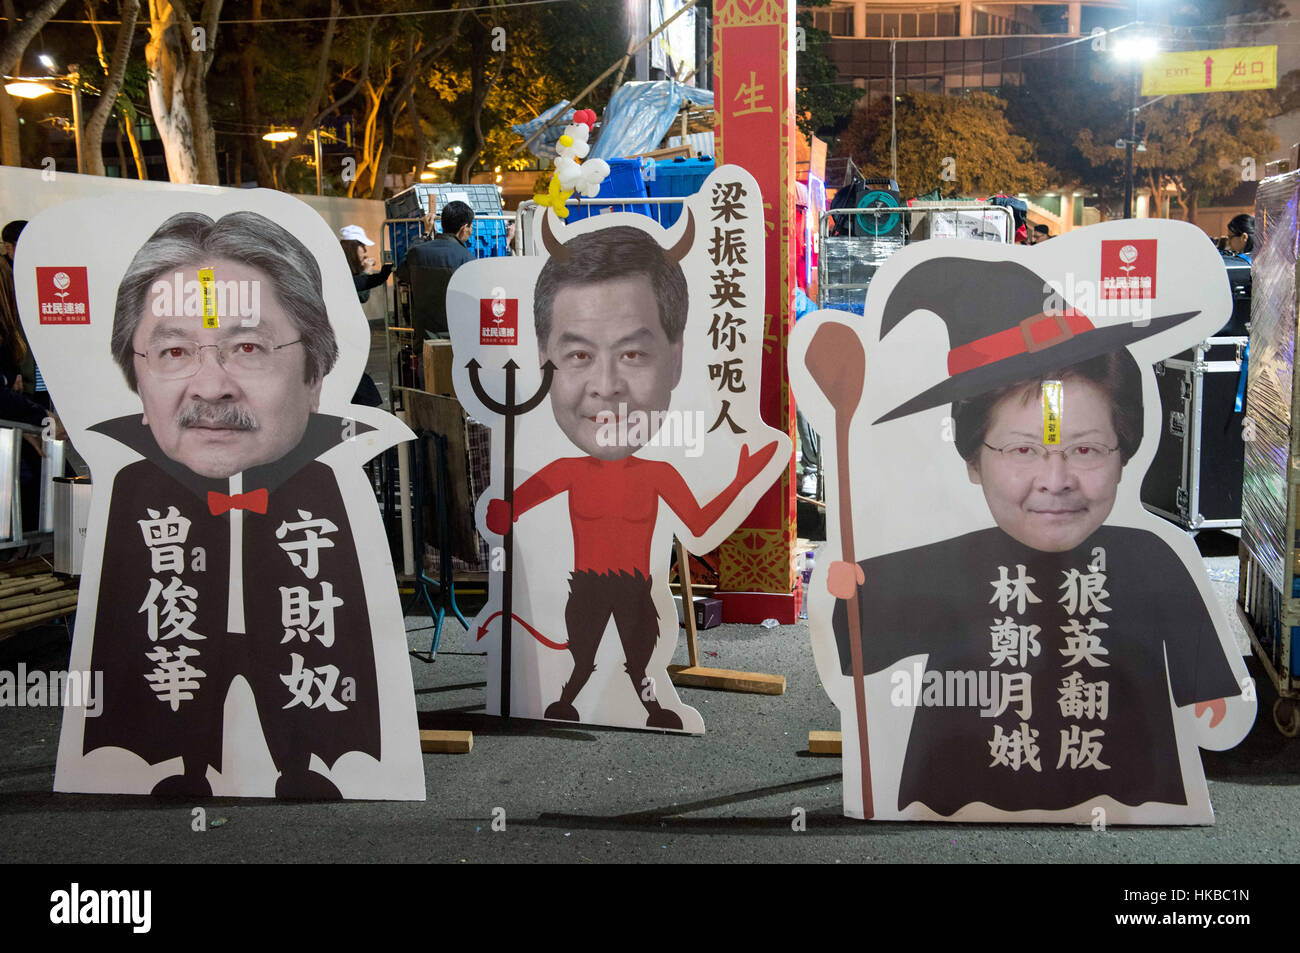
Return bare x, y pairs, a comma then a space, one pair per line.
1211, 71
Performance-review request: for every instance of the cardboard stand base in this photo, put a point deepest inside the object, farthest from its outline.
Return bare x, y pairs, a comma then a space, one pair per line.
699, 676
825, 743
446, 742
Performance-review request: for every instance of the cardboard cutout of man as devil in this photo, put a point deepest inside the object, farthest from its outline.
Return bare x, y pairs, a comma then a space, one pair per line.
634, 418
237, 591
1007, 633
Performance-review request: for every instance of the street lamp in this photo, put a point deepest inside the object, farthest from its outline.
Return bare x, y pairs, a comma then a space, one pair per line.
283, 135
1133, 49
33, 88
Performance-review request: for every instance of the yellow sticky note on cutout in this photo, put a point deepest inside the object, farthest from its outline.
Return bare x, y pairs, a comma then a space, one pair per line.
207, 284
1053, 395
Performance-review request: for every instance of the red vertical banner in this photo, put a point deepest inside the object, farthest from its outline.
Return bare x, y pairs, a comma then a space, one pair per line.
753, 86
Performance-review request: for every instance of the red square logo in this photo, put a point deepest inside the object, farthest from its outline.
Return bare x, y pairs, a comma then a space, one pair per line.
1128, 268
498, 321
63, 295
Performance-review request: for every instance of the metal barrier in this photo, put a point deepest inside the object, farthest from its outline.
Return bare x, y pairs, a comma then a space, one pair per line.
526, 211
12, 534
847, 263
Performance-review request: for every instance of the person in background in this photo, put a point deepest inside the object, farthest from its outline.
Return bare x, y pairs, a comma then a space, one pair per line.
15, 405
29, 379
9, 238
428, 268
1041, 234
1241, 235
356, 244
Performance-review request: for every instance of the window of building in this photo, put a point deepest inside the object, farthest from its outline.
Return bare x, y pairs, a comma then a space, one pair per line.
842, 22
875, 25
947, 25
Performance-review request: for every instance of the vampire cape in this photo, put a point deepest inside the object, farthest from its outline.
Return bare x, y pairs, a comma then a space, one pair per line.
942, 600
292, 621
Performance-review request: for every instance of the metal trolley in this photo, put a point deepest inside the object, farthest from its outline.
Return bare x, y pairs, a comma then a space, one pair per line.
847, 263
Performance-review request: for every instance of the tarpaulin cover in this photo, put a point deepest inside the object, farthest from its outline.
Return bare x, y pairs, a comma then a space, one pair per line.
544, 147
1269, 384
637, 118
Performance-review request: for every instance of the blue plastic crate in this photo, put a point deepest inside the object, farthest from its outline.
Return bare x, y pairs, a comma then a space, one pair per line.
677, 178
488, 239
401, 236
624, 181
484, 199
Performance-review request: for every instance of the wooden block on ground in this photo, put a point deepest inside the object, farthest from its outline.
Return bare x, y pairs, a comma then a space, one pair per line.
446, 742
700, 676
824, 742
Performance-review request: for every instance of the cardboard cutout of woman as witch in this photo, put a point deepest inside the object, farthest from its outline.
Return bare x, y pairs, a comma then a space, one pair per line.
237, 593
1008, 634
620, 372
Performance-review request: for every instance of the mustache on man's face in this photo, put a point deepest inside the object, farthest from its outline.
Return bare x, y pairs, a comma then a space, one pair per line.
202, 413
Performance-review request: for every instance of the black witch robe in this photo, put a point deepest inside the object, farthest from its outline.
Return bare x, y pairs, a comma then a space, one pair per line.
315, 688
942, 599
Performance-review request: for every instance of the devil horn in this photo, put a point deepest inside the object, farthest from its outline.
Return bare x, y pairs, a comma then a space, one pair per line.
683, 246
554, 247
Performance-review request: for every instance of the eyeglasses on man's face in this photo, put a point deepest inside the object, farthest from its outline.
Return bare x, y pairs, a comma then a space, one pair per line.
1080, 456
173, 360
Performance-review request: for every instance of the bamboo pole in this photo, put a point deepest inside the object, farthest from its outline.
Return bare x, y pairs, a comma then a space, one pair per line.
622, 60
57, 602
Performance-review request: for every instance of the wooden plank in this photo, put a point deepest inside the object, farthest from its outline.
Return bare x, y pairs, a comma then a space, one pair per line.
446, 742
698, 676
824, 742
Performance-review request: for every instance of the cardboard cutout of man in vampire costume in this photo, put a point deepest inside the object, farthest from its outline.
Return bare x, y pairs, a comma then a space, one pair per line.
1022, 641
649, 348
237, 593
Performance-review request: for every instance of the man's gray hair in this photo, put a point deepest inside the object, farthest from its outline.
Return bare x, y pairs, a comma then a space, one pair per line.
191, 239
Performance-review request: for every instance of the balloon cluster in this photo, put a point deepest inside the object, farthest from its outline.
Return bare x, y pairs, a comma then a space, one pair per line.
571, 174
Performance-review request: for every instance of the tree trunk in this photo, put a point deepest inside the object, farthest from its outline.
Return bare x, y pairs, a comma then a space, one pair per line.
177, 88
421, 145
10, 149
127, 119
388, 119
248, 104
11, 54
115, 72
473, 142
121, 153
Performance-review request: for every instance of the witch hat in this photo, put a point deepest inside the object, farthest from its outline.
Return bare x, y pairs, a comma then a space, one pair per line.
998, 329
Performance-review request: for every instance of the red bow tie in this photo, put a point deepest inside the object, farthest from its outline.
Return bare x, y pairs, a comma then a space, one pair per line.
254, 500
